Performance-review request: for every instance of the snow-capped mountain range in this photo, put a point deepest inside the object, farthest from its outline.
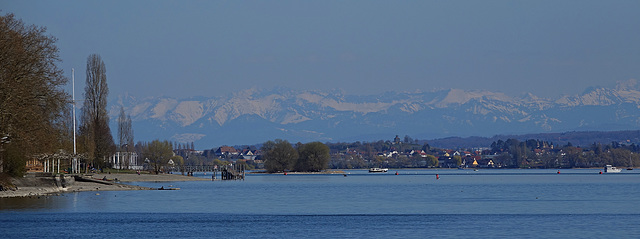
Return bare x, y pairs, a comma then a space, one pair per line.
255, 116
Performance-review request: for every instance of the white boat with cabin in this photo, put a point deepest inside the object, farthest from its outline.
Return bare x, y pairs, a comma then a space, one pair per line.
610, 169
378, 170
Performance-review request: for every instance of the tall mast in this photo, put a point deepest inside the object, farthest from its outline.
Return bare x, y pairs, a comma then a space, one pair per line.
73, 95
74, 167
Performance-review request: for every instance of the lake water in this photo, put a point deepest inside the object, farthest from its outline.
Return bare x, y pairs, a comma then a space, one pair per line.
577, 203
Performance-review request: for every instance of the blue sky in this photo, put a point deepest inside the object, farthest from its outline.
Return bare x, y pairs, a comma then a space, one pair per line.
209, 48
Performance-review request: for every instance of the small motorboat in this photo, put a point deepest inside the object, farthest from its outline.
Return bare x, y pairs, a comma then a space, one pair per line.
610, 169
378, 170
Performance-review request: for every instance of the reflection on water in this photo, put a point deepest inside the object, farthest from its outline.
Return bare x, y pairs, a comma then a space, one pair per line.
414, 204
173, 225
35, 203
577, 191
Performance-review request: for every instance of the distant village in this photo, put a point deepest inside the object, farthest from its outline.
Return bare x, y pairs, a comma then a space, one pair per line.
407, 153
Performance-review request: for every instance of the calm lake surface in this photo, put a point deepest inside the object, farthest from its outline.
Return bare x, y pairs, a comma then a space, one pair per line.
512, 203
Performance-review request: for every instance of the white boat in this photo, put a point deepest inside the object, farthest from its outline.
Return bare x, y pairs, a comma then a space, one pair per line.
378, 170
610, 169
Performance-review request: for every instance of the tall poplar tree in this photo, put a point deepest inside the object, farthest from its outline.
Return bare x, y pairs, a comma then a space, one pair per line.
125, 136
95, 133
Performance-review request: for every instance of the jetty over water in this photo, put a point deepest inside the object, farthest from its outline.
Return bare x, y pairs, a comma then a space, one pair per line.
227, 172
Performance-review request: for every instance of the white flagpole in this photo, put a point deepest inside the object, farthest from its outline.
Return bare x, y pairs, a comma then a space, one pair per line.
74, 167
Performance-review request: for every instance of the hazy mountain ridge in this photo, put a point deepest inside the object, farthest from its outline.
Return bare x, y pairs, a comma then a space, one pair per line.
253, 116
578, 139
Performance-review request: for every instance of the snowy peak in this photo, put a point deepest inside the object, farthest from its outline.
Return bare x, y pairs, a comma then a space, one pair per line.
254, 116
187, 112
245, 104
602, 97
460, 97
628, 85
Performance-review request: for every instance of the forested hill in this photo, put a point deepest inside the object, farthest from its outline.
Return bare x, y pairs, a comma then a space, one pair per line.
582, 138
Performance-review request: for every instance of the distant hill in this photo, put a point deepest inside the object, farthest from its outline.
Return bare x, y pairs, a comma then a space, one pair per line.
583, 139
254, 116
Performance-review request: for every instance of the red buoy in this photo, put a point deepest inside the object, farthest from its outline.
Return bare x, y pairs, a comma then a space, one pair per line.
396, 172
437, 176
558, 171
285, 173
600, 172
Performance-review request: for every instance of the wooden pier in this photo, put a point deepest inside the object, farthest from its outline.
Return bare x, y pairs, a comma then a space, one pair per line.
228, 172
231, 173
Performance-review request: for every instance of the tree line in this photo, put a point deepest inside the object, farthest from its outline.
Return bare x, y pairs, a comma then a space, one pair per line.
543, 154
510, 153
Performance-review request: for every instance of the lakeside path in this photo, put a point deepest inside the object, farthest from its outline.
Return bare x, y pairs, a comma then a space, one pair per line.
32, 186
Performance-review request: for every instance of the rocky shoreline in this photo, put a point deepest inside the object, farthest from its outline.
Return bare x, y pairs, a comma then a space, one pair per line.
46, 184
